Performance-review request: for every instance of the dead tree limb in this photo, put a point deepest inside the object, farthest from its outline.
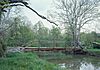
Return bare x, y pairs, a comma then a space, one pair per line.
14, 3
43, 17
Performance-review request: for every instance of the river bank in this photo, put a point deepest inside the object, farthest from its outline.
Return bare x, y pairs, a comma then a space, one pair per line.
25, 61
75, 62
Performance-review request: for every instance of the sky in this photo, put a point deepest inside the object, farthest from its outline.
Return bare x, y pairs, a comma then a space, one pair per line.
41, 6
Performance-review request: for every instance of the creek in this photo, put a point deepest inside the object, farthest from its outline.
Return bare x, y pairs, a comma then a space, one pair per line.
76, 62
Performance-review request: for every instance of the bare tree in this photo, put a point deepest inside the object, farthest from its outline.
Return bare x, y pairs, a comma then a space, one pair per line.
75, 14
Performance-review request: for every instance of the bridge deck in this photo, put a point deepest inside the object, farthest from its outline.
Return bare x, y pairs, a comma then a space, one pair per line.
26, 49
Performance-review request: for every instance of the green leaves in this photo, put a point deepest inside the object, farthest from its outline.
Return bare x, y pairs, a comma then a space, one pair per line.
20, 34
25, 61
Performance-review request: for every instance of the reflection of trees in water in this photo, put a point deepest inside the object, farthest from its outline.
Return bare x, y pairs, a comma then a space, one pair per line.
83, 64
79, 63
73, 65
93, 60
88, 66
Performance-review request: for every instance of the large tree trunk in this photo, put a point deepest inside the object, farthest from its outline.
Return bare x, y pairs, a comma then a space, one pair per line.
74, 34
74, 39
79, 45
2, 48
2, 45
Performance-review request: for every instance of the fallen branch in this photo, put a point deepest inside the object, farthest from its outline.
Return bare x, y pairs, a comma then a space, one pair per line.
40, 15
26, 4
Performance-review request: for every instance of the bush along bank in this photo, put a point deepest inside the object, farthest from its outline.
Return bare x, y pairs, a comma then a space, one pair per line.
25, 61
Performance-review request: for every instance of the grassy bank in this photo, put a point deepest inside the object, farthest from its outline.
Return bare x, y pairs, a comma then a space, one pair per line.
51, 55
94, 51
25, 61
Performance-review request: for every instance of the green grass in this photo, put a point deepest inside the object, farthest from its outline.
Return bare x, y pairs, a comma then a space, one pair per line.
51, 55
25, 61
93, 51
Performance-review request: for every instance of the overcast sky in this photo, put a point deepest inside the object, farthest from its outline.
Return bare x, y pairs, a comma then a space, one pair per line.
41, 6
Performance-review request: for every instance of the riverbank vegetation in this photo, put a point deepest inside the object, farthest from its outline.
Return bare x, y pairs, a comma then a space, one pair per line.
25, 61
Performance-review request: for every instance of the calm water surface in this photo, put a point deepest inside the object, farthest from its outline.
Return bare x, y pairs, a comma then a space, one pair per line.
78, 62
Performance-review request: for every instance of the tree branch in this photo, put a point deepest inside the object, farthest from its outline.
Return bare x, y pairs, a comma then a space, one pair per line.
26, 4
39, 14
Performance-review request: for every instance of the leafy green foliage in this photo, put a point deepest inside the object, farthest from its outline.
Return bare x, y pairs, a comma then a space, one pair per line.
88, 39
25, 61
68, 40
20, 35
